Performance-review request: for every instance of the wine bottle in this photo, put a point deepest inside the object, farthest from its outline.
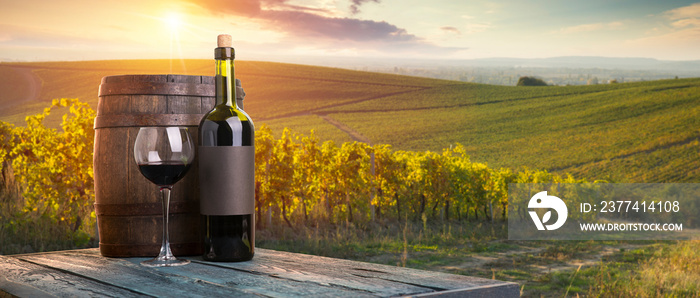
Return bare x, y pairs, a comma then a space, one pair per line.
227, 169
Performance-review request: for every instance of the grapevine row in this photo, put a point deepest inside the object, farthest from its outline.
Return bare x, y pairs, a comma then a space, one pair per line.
299, 178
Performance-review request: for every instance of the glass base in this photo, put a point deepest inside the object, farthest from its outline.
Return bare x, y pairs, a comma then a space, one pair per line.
165, 262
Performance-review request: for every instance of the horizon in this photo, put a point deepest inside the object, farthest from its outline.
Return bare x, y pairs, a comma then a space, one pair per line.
368, 58
363, 29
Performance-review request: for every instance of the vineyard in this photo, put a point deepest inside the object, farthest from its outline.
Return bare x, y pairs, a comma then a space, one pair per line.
377, 167
303, 180
630, 132
299, 179
425, 142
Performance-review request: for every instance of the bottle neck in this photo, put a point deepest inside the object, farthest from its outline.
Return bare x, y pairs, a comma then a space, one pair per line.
225, 81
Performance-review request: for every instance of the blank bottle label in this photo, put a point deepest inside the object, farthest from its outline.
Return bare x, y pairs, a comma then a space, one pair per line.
227, 180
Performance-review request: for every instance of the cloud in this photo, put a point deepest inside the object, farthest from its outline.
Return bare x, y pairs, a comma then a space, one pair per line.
308, 22
326, 30
450, 29
689, 22
249, 8
589, 27
680, 40
355, 7
674, 45
320, 28
684, 17
690, 11
316, 26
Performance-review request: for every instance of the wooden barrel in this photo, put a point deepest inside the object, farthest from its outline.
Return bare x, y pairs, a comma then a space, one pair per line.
127, 205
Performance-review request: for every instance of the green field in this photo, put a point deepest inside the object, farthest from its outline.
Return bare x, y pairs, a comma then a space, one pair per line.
631, 132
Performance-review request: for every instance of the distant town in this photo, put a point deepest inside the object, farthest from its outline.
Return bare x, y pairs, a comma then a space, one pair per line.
558, 71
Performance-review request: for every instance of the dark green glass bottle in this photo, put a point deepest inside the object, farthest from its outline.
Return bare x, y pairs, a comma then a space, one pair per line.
226, 165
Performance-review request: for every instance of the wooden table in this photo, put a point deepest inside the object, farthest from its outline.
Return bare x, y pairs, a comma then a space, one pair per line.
76, 273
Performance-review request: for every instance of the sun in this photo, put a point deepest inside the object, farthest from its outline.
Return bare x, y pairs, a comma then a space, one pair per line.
173, 21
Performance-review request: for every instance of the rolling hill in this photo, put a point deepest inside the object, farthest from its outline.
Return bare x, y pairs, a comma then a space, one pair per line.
630, 132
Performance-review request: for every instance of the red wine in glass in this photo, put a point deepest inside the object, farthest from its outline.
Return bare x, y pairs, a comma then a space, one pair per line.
164, 173
164, 155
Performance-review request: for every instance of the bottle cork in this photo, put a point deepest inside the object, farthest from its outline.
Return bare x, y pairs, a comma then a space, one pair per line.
224, 41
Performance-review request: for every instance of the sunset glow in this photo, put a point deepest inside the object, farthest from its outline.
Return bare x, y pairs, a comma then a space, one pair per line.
173, 21
441, 29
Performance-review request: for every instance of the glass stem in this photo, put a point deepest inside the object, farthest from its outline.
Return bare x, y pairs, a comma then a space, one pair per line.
165, 246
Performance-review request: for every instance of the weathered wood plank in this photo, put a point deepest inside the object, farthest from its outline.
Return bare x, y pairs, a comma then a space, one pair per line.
479, 292
264, 285
25, 279
430, 283
270, 273
261, 265
333, 267
187, 276
121, 273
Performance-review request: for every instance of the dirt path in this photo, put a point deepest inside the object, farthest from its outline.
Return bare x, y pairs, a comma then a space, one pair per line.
349, 131
317, 111
33, 83
502, 259
353, 134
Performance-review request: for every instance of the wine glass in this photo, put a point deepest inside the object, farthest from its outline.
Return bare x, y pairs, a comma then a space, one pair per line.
164, 155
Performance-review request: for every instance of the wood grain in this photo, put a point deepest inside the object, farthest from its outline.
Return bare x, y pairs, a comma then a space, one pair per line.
270, 274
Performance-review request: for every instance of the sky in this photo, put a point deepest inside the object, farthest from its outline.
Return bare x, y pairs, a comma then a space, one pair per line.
33, 30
